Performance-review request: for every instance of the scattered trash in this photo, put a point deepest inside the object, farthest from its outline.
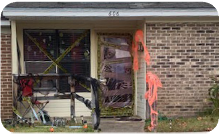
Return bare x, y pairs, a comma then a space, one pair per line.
199, 118
170, 123
208, 129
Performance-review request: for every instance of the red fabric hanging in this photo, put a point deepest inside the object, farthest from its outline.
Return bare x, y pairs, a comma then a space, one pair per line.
139, 38
27, 86
151, 95
152, 80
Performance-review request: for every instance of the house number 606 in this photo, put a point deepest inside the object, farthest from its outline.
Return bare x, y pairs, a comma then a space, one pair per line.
113, 13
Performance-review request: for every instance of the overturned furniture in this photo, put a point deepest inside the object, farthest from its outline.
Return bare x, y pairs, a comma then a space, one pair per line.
73, 80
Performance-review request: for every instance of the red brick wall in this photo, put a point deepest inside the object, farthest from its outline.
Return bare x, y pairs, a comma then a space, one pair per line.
6, 77
184, 56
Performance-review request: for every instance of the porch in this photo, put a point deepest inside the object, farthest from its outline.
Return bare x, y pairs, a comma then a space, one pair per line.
110, 27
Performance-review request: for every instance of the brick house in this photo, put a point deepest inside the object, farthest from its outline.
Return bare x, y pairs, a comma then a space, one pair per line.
5, 68
182, 38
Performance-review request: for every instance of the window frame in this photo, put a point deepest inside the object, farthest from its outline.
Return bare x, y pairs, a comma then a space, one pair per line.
57, 53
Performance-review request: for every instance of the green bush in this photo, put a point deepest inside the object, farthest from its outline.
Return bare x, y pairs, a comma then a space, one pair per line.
214, 95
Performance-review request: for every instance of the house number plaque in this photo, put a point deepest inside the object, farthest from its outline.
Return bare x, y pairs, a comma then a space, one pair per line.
113, 13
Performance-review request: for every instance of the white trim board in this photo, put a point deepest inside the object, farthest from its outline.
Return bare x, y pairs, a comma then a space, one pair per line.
5, 23
105, 13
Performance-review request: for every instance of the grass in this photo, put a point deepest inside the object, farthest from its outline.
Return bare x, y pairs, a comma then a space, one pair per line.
192, 124
40, 128
45, 129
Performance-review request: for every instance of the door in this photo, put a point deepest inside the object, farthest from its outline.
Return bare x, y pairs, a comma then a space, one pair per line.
115, 66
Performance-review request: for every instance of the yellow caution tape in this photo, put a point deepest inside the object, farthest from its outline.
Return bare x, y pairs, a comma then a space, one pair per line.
66, 52
111, 45
45, 52
56, 62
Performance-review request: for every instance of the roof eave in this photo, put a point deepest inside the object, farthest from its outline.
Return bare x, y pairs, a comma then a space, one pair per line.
105, 13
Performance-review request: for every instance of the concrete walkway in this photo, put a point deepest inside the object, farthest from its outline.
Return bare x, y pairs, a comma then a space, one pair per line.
113, 125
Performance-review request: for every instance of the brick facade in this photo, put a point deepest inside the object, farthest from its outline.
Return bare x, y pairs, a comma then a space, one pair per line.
6, 77
184, 56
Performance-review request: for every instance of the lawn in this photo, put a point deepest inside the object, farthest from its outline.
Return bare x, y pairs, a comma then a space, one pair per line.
41, 128
192, 124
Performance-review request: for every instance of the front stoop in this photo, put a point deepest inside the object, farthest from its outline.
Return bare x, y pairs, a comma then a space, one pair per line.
121, 125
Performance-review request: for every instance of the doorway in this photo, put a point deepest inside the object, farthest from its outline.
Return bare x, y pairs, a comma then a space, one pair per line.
115, 67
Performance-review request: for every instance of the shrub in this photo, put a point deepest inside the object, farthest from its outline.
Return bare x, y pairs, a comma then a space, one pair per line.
214, 95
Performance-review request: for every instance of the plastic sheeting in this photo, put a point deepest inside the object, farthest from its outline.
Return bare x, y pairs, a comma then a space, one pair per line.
116, 68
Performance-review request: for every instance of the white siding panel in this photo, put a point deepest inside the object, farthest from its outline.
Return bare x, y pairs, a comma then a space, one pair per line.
61, 108
141, 89
81, 109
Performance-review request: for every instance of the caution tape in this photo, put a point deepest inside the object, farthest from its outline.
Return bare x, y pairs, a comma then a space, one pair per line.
45, 52
66, 52
56, 62
111, 45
